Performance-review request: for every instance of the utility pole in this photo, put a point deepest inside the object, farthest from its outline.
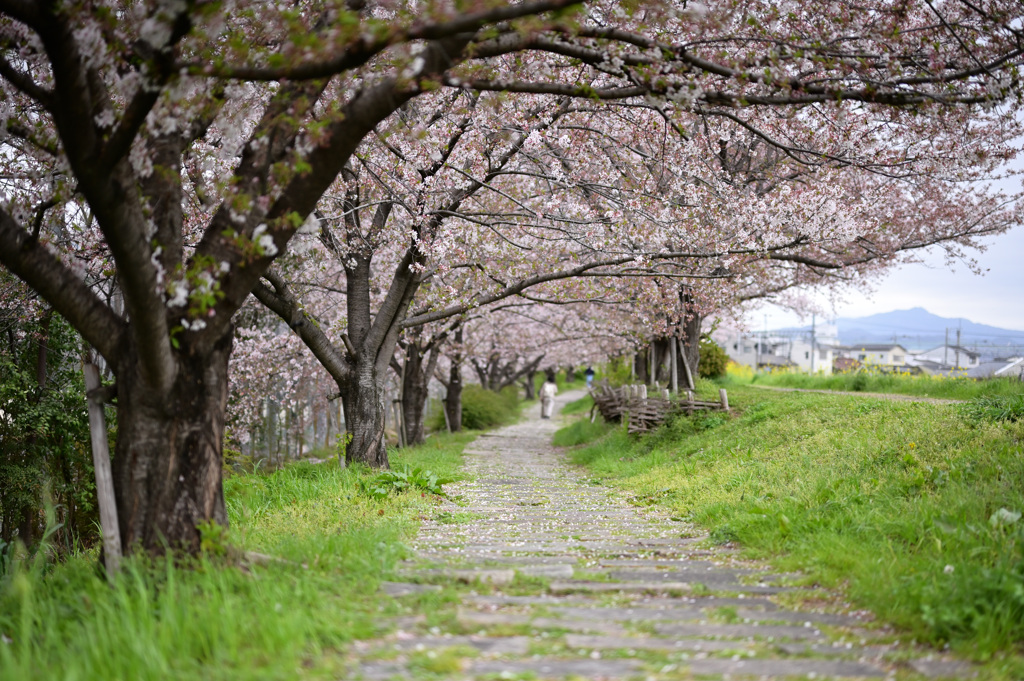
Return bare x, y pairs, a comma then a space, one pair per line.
813, 339
757, 352
945, 349
958, 329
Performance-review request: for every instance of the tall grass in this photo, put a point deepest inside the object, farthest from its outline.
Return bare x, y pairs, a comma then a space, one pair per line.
912, 508
582, 405
867, 380
218, 617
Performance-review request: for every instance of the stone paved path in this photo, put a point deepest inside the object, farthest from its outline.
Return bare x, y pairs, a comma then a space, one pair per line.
564, 579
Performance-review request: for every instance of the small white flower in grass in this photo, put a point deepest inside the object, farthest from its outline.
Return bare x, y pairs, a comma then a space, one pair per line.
1004, 516
948, 569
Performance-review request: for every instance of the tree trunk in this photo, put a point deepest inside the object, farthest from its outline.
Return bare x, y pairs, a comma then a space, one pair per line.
641, 366
690, 337
414, 395
29, 525
530, 386
167, 467
453, 398
570, 373
363, 400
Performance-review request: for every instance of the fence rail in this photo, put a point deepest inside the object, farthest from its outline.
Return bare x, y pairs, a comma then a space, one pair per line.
643, 413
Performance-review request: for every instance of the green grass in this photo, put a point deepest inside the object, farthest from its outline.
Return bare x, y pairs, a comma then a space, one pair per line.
910, 508
580, 406
286, 619
580, 432
953, 388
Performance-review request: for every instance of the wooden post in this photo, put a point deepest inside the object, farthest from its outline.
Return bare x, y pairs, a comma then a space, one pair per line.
327, 417
403, 436
287, 436
444, 403
104, 478
724, 398
650, 376
674, 349
689, 402
665, 394
686, 370
642, 392
398, 422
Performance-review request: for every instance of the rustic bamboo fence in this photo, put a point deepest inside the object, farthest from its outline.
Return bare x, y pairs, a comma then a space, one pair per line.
643, 413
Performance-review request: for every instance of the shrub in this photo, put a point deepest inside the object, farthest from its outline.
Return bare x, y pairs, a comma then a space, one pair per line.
580, 432
483, 408
713, 359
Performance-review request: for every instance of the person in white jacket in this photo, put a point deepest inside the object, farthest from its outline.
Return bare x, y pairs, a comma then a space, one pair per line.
547, 396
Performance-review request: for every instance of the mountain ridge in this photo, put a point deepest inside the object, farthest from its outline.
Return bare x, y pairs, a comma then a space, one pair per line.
918, 329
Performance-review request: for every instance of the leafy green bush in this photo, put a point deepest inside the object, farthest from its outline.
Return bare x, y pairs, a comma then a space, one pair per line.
859, 382
401, 479
713, 359
486, 409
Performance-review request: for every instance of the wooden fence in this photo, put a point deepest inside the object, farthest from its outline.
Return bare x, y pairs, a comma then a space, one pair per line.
643, 413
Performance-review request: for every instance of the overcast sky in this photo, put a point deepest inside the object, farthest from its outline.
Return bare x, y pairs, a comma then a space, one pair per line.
995, 298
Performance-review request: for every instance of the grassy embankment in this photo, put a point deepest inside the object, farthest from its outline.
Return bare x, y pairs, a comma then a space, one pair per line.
214, 619
866, 380
913, 509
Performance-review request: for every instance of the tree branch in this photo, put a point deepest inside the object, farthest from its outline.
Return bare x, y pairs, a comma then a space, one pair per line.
367, 46
25, 84
281, 301
37, 266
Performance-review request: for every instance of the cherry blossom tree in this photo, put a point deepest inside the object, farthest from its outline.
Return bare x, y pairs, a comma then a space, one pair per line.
192, 140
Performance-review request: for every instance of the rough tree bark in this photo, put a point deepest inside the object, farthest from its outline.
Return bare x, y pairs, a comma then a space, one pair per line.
363, 401
167, 465
419, 363
689, 327
453, 395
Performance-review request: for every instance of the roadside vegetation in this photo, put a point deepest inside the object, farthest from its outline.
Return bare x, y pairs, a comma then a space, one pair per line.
875, 381
293, 580
912, 509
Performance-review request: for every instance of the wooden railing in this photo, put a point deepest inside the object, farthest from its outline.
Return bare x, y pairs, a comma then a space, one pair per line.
644, 413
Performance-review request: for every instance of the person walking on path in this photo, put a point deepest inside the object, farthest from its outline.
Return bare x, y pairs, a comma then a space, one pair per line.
547, 396
589, 373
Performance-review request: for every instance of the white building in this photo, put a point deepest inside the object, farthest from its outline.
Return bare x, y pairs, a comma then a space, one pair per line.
950, 356
875, 354
799, 350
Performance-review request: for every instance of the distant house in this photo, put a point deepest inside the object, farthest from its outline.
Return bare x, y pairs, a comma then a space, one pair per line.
949, 356
841, 364
778, 350
999, 368
775, 362
874, 354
